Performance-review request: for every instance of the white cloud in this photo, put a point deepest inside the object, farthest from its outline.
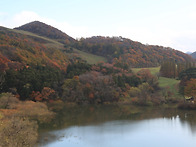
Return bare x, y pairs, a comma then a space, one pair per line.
18, 19
73, 31
185, 41
1, 13
24, 17
146, 35
191, 17
2, 18
180, 40
29, 16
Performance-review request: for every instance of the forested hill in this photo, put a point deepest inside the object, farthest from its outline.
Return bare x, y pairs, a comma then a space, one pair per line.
41, 46
125, 52
18, 50
193, 55
45, 30
32, 65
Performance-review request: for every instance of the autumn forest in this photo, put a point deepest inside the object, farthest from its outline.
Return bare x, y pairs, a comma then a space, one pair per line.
42, 68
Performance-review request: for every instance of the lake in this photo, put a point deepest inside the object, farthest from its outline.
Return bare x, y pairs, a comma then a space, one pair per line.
114, 126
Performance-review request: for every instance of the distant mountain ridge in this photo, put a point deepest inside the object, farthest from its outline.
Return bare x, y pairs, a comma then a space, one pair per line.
193, 55
45, 30
188, 53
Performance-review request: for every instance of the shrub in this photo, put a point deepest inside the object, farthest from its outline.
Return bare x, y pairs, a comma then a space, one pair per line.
8, 101
34, 110
134, 92
18, 132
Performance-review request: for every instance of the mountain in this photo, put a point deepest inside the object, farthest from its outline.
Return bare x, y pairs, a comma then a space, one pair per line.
188, 53
18, 50
37, 43
193, 55
48, 31
125, 52
43, 57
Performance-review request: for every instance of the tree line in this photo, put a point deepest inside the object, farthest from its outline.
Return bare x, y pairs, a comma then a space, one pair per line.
81, 83
122, 52
172, 69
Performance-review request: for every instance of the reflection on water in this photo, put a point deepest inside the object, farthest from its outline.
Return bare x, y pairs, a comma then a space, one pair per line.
114, 126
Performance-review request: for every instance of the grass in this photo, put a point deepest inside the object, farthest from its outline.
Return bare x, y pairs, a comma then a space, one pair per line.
164, 82
90, 58
171, 85
153, 70
35, 35
168, 83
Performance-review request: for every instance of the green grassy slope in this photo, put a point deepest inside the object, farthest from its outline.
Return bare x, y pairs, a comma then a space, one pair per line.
164, 82
90, 58
153, 70
48, 41
168, 83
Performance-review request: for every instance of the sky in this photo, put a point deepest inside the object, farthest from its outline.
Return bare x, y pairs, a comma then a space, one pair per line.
169, 23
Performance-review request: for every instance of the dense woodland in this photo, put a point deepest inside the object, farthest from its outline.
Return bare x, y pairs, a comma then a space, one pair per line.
18, 50
126, 53
119, 51
29, 67
44, 68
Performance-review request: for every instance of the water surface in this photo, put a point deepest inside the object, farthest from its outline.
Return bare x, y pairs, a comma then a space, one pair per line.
114, 126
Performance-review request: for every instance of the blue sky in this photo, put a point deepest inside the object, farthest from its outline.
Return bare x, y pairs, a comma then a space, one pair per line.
159, 22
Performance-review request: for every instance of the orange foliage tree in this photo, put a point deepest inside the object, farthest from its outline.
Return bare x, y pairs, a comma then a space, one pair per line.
190, 88
47, 94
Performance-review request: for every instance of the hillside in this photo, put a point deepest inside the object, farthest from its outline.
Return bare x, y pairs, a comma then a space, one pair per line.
39, 43
54, 38
118, 51
48, 31
18, 50
125, 52
193, 55
39, 63
41, 68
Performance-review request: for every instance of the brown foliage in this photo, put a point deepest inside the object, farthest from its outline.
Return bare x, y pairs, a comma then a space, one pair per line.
146, 76
123, 52
29, 109
8, 101
34, 110
190, 88
18, 50
92, 87
18, 126
45, 95
18, 132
